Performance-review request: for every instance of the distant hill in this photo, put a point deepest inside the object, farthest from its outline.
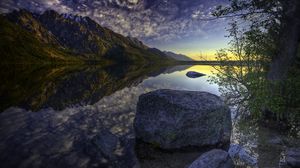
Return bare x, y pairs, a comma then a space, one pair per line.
179, 57
50, 36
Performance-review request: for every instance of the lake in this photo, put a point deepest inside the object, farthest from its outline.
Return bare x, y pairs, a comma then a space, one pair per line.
58, 115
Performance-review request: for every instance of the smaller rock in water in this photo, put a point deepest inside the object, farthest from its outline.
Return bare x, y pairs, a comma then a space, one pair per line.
215, 158
292, 158
238, 152
193, 74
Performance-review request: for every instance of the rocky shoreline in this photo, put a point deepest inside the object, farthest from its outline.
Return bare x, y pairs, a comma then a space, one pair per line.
102, 135
180, 121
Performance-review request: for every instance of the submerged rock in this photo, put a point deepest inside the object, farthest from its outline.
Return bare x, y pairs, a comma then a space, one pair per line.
106, 142
238, 152
291, 158
215, 158
172, 119
193, 74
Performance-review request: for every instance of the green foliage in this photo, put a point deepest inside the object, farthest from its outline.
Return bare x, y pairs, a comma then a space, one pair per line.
155, 145
246, 86
255, 45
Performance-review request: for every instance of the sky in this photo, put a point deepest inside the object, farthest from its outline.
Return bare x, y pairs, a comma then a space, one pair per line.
181, 26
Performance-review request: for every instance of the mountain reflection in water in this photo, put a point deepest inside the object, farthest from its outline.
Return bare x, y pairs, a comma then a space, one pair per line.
59, 87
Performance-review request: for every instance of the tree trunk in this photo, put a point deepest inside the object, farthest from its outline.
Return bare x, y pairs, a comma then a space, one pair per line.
288, 44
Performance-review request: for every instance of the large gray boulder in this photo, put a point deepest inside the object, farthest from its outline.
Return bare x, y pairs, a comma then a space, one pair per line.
172, 119
215, 158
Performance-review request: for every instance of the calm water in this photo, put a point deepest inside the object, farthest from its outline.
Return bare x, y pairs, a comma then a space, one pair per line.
64, 116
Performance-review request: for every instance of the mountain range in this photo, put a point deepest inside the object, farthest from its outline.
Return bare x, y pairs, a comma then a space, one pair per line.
49, 36
179, 57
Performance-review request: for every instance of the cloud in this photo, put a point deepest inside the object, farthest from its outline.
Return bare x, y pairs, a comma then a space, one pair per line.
149, 20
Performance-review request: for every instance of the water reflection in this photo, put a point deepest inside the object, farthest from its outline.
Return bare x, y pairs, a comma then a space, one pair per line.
58, 87
79, 110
